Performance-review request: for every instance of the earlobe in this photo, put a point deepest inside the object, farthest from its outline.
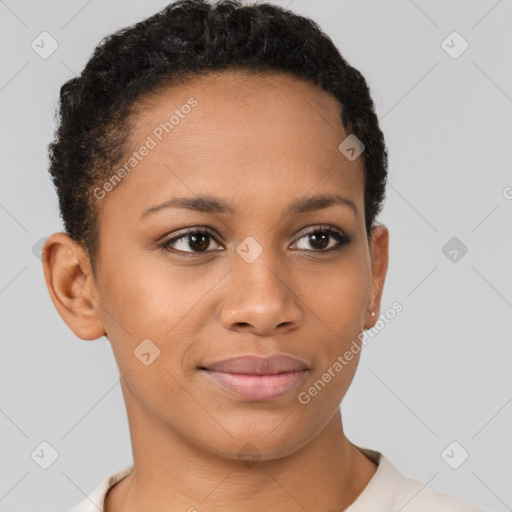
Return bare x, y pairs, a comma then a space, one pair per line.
71, 286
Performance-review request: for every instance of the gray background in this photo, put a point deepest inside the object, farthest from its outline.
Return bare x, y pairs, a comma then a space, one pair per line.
439, 372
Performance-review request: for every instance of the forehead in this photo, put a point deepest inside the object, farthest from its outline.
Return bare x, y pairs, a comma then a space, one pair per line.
253, 110
241, 133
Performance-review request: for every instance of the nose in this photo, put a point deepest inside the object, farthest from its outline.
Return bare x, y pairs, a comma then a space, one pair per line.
259, 300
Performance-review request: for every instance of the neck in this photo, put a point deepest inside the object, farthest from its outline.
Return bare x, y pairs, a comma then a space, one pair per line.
170, 473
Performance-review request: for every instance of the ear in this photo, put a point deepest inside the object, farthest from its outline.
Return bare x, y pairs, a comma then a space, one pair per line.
72, 287
379, 243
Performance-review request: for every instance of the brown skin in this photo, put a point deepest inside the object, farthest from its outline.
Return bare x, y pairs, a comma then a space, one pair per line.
258, 143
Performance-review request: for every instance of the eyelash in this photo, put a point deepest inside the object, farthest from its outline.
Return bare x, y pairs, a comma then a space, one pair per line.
339, 236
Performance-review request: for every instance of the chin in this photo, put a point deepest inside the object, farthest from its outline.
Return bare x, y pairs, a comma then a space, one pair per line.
260, 441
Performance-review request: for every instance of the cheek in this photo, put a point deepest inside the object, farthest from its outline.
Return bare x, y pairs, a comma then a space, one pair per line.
151, 300
146, 321
338, 295
337, 303
147, 295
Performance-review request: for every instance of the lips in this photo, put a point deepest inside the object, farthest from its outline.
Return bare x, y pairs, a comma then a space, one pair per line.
255, 365
257, 378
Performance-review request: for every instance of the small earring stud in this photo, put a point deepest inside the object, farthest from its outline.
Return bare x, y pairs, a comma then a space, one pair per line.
373, 313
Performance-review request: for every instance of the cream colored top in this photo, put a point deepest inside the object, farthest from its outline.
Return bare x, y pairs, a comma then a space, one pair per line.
387, 491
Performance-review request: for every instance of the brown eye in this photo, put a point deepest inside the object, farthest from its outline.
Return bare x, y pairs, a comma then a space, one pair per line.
196, 240
320, 239
199, 241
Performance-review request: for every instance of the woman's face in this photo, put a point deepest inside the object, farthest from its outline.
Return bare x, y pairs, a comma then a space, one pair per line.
259, 279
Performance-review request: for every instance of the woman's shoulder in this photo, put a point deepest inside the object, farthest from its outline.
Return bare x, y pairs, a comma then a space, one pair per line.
94, 502
389, 490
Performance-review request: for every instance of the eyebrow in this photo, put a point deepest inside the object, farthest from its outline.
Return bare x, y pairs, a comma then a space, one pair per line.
212, 204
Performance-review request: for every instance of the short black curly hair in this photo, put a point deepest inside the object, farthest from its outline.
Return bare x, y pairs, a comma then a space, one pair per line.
187, 39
